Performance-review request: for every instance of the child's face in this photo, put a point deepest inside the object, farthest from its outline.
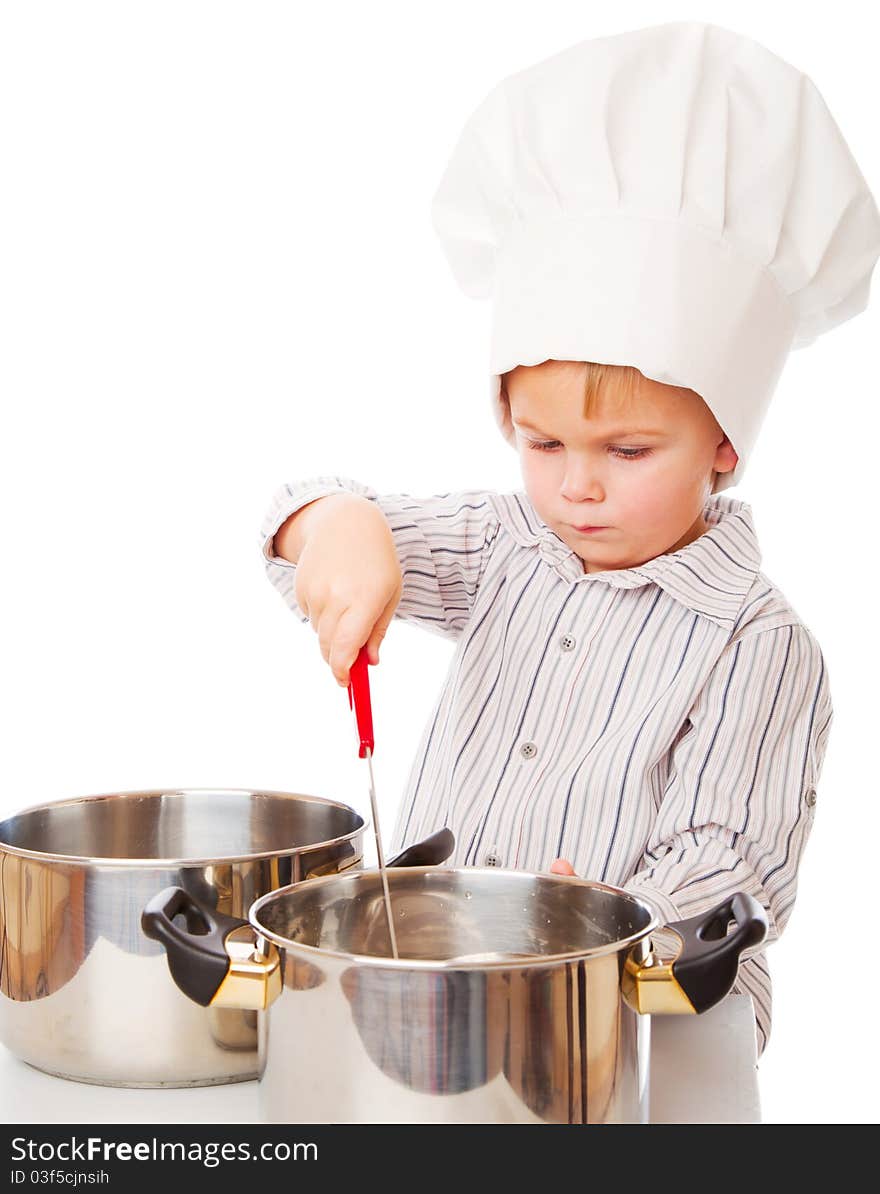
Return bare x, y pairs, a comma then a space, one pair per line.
640, 470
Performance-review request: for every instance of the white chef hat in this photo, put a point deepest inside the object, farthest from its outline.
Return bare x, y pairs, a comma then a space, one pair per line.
675, 198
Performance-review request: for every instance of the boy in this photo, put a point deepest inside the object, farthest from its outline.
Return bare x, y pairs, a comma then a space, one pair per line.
658, 218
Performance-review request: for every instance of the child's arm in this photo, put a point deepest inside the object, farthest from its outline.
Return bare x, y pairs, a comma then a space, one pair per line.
740, 801
441, 544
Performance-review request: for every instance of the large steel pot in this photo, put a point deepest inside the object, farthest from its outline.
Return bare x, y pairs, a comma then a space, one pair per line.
84, 993
517, 997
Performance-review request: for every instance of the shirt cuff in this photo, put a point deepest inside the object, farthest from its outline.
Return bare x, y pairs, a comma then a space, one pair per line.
286, 502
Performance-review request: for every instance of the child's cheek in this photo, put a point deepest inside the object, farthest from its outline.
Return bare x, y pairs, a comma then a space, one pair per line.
541, 472
530, 467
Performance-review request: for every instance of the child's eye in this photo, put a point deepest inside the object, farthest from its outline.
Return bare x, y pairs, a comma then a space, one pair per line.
550, 445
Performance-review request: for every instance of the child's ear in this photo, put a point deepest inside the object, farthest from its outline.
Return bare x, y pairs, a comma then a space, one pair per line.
726, 458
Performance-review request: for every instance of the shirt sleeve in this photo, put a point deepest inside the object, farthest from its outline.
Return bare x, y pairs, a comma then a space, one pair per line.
740, 801
442, 543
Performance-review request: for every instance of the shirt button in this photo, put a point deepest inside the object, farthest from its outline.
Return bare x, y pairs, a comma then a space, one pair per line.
568, 642
810, 798
492, 858
528, 750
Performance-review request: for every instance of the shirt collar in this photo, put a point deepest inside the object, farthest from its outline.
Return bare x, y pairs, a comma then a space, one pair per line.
710, 576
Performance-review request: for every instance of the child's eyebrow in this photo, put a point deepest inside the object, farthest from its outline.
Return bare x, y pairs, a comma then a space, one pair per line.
614, 433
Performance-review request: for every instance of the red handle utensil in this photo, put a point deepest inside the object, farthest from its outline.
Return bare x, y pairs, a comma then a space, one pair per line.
359, 701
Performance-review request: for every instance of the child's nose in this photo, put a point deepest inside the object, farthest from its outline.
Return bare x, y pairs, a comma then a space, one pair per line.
582, 482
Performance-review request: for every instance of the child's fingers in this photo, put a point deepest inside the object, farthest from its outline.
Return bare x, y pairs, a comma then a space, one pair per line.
349, 636
380, 629
327, 632
561, 867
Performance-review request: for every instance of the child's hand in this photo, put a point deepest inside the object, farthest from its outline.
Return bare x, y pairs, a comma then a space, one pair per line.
348, 579
561, 867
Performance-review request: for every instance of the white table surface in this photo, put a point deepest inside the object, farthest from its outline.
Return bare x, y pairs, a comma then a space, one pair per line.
703, 1070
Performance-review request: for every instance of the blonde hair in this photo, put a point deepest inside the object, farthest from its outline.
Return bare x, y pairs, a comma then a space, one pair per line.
617, 383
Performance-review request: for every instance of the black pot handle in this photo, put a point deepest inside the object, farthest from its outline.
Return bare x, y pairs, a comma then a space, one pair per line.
707, 966
197, 956
430, 852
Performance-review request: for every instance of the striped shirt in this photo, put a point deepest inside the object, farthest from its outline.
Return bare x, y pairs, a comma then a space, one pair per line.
662, 726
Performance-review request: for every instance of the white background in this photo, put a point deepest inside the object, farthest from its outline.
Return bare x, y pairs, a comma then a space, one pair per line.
219, 274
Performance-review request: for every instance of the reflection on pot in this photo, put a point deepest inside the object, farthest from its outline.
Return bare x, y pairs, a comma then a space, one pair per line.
447, 1031
393, 1010
42, 925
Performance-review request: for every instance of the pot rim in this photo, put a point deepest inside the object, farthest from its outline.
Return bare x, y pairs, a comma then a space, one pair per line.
427, 964
175, 863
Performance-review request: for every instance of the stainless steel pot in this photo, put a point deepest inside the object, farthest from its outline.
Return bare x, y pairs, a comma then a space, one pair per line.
517, 998
83, 992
